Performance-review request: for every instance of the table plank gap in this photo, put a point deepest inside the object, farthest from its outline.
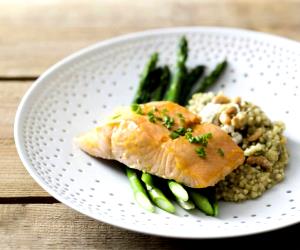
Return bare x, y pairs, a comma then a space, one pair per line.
28, 200
18, 78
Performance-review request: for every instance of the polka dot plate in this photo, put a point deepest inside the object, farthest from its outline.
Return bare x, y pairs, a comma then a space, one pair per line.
76, 93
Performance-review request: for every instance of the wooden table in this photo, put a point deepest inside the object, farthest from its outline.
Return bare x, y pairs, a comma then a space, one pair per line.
36, 34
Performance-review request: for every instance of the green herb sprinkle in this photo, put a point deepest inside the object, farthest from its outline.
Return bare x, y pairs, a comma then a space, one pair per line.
137, 109
178, 132
151, 116
201, 152
221, 152
168, 121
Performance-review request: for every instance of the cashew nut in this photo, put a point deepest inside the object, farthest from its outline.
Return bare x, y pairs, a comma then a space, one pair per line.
224, 118
231, 111
237, 100
255, 136
221, 99
239, 120
260, 161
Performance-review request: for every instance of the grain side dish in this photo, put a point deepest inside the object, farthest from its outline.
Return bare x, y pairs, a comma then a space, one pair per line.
261, 139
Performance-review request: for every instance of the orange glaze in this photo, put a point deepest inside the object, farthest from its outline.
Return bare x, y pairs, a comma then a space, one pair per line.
132, 139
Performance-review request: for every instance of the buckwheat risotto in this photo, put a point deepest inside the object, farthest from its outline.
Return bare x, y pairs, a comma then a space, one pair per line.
261, 139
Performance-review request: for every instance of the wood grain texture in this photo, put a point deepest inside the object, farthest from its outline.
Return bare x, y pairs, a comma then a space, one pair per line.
58, 227
14, 179
34, 35
10, 96
37, 34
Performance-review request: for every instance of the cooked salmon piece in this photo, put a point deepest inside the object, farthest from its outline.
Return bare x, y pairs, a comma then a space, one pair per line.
166, 140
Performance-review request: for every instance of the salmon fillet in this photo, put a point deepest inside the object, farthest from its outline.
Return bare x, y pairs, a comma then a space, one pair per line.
141, 138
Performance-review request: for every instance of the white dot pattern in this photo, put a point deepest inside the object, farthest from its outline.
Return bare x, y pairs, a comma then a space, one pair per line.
75, 96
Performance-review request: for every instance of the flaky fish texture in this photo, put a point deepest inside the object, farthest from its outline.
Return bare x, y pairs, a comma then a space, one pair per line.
141, 139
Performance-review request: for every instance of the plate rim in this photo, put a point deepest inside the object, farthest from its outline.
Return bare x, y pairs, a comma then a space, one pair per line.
108, 42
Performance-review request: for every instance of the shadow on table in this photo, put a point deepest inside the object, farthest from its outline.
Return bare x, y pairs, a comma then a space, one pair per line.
141, 241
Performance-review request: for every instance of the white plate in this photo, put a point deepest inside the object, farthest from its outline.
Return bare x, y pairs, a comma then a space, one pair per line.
76, 93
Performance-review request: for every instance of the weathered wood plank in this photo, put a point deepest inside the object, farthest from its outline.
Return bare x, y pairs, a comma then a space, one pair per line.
34, 35
58, 227
10, 96
14, 179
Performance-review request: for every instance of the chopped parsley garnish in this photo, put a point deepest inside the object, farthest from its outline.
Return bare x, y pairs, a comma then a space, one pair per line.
221, 152
116, 116
178, 132
190, 137
181, 118
203, 139
200, 139
137, 109
168, 121
174, 135
151, 116
201, 152
164, 111
154, 109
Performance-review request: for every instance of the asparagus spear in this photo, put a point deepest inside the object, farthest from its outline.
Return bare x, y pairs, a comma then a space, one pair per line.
174, 91
215, 206
157, 195
163, 79
178, 190
146, 90
210, 193
173, 94
181, 195
202, 202
209, 80
140, 194
187, 205
192, 77
142, 96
